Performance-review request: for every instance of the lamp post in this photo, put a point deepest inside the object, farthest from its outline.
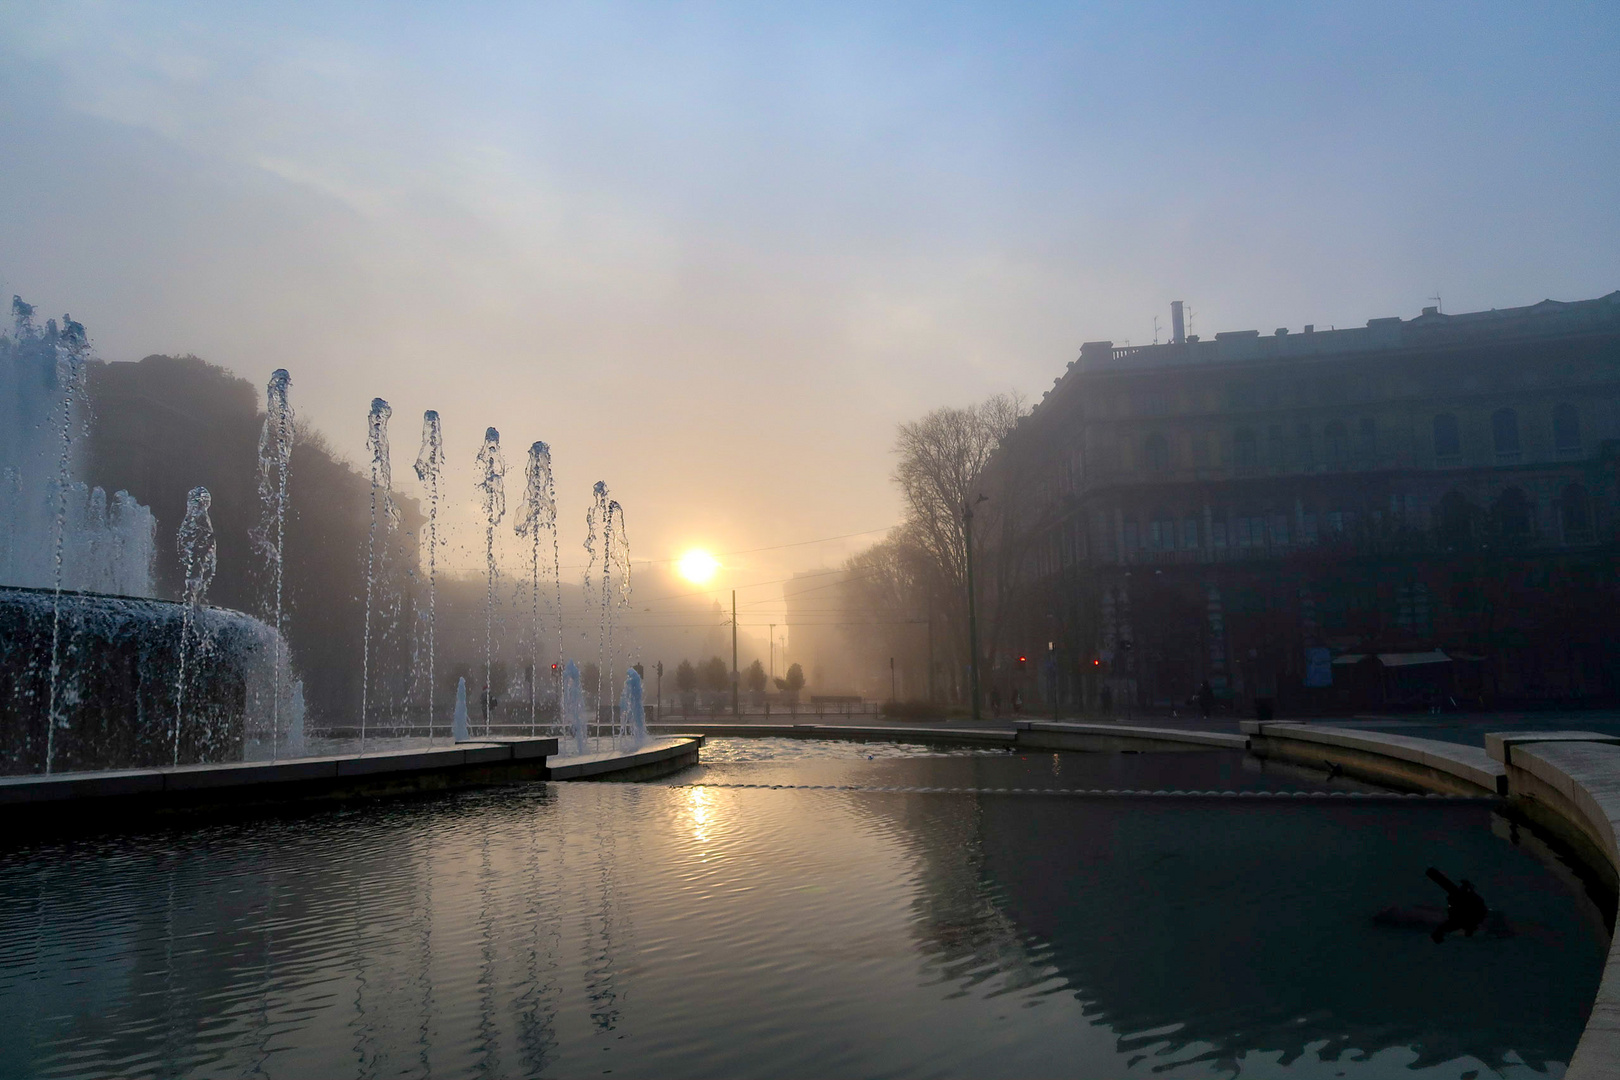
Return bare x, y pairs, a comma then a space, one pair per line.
973, 620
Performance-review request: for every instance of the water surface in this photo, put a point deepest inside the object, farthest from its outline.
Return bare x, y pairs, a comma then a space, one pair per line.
684, 928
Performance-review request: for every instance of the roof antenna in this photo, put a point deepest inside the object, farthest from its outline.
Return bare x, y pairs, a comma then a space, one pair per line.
1155, 329
1436, 298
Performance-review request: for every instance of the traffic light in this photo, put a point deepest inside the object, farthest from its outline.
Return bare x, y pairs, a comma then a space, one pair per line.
556, 667
1022, 660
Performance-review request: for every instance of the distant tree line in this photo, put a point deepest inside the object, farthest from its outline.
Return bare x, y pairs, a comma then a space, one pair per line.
713, 677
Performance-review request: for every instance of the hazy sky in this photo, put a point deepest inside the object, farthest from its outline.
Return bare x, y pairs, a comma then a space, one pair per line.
714, 253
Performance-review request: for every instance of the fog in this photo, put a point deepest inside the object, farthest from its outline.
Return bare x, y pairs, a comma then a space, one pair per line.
714, 255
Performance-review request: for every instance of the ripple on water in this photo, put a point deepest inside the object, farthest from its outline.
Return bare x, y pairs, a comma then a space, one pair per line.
669, 930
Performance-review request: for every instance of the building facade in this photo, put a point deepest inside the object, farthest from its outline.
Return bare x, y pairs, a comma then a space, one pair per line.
1405, 513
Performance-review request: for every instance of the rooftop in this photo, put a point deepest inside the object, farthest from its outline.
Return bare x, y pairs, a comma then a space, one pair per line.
1550, 318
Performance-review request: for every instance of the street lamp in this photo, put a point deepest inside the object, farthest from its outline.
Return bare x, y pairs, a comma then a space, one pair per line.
973, 621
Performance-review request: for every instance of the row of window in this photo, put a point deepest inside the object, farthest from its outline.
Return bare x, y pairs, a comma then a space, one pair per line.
1512, 515
1566, 425
1341, 444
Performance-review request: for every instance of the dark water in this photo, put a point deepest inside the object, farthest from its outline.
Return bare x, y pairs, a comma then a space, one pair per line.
662, 930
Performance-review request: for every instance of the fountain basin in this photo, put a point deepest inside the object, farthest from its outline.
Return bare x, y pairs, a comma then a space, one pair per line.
117, 664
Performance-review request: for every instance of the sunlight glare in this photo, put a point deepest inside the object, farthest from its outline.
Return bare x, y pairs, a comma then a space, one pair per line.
698, 566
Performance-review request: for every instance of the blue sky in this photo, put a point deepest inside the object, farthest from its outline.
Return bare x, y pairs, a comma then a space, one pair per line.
713, 253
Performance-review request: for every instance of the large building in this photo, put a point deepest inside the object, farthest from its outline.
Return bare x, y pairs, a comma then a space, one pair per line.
1398, 514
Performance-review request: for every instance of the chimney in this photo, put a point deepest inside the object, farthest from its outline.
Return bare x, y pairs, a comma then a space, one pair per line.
1178, 325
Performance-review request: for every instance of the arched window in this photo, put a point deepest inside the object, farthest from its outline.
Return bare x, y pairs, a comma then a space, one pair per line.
1505, 433
1333, 443
1245, 452
1566, 428
1447, 442
1156, 452
1575, 515
1513, 514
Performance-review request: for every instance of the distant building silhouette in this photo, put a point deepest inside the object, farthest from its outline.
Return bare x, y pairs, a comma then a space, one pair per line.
1398, 514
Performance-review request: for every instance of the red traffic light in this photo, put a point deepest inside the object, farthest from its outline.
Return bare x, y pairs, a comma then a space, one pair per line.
1023, 659
554, 667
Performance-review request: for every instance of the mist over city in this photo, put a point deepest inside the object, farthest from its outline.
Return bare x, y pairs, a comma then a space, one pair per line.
999, 415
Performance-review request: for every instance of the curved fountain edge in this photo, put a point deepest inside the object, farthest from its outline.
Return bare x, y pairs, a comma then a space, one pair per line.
1567, 782
109, 798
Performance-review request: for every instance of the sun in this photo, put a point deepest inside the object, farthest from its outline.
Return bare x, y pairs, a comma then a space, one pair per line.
698, 566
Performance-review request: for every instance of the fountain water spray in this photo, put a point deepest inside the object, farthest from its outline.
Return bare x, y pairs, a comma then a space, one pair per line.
458, 719
275, 459
492, 484
632, 709
199, 559
70, 358
598, 540
539, 514
382, 483
618, 563
572, 708
429, 466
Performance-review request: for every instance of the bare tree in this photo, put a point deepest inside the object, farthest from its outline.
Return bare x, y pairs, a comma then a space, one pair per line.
941, 459
910, 589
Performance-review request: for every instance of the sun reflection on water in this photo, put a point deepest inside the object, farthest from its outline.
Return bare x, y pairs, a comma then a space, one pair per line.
701, 805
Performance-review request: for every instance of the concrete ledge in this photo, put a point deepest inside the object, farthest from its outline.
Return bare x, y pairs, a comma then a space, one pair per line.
928, 736
667, 756
1102, 738
1499, 744
99, 798
248, 774
1400, 760
402, 761
524, 747
1569, 782
87, 785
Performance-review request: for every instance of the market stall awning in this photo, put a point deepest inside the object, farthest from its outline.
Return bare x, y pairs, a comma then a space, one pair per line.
1412, 659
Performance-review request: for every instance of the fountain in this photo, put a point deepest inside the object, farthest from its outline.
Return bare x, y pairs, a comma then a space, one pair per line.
429, 466
382, 484
94, 673
458, 719
539, 515
618, 563
91, 681
200, 558
631, 711
607, 544
275, 460
492, 486
572, 705
56, 531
